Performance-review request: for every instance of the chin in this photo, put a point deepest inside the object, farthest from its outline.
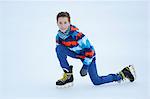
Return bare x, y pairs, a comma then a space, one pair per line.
63, 30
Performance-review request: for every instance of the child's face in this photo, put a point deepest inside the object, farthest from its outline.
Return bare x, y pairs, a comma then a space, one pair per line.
63, 24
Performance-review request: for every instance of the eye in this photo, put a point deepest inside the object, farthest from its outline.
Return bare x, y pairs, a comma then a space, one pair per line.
65, 22
60, 22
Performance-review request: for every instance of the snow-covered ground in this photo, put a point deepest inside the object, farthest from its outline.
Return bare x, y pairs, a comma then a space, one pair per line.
28, 63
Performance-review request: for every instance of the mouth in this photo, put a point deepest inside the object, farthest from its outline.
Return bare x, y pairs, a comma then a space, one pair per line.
63, 28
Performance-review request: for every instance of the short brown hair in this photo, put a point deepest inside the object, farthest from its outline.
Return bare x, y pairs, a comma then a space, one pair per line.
63, 14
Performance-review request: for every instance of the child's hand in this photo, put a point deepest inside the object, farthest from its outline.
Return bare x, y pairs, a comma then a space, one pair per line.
83, 72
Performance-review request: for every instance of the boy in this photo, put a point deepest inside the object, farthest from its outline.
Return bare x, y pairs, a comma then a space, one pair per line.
71, 42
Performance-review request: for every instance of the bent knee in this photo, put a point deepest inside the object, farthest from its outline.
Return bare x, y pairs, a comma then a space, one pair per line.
96, 82
59, 48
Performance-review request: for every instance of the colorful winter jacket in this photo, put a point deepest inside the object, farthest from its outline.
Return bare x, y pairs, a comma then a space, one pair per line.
78, 43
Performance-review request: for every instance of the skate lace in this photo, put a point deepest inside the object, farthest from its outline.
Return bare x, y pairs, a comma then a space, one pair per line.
64, 77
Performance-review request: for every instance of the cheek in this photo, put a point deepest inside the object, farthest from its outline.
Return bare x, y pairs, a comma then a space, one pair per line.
67, 25
60, 26
63, 26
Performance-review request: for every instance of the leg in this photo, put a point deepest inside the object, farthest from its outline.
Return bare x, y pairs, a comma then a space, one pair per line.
62, 53
97, 80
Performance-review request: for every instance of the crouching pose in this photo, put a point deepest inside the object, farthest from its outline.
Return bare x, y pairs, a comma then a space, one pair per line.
71, 42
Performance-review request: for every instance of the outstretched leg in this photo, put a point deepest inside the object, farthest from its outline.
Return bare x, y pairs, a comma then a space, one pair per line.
98, 80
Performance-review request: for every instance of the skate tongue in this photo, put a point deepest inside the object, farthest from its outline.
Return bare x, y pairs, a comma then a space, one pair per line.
65, 70
68, 70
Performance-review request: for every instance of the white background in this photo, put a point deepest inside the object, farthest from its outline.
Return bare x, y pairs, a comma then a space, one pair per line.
29, 67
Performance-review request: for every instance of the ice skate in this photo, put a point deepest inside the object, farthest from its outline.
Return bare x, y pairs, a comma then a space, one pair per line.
128, 73
67, 79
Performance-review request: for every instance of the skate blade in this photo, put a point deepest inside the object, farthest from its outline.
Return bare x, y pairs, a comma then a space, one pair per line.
132, 69
65, 86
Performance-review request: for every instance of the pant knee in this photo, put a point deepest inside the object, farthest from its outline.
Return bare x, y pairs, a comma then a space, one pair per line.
59, 48
95, 83
96, 80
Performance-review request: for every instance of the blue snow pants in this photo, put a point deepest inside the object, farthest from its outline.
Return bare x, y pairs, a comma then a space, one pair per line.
63, 52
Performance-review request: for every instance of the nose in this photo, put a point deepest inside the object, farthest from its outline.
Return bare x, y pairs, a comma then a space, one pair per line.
63, 26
